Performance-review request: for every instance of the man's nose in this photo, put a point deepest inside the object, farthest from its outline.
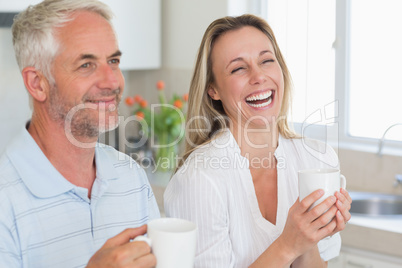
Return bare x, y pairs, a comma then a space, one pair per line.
109, 78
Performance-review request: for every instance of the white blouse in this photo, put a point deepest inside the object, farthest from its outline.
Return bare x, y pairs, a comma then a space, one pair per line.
214, 189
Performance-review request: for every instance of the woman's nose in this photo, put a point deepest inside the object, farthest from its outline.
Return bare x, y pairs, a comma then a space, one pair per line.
257, 76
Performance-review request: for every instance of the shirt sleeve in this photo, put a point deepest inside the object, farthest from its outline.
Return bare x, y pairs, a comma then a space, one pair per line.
195, 195
330, 247
9, 249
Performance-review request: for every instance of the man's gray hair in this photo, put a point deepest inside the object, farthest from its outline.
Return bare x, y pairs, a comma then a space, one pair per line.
33, 31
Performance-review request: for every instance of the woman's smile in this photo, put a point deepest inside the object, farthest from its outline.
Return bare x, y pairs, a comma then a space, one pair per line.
261, 100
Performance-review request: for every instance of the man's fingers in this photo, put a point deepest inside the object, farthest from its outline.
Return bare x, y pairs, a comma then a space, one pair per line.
148, 260
136, 249
125, 236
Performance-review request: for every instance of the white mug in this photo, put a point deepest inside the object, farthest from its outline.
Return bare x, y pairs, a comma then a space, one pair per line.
330, 180
172, 241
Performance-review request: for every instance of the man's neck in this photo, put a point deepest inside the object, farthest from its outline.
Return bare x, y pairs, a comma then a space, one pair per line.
75, 163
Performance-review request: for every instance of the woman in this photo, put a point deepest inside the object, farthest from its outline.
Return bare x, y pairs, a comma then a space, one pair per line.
238, 178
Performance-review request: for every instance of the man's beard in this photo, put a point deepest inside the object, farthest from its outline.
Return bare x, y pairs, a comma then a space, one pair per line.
82, 120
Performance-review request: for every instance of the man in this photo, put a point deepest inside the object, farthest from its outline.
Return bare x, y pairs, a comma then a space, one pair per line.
65, 200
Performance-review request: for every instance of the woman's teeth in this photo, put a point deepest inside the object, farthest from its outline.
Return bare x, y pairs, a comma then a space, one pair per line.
260, 100
260, 105
260, 96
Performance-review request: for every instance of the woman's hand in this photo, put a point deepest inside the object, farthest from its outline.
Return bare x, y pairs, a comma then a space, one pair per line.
304, 228
342, 215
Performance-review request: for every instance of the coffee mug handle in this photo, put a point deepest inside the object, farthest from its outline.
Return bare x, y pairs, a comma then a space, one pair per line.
343, 182
143, 238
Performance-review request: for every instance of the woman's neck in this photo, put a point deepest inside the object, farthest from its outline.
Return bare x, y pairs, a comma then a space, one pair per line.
256, 142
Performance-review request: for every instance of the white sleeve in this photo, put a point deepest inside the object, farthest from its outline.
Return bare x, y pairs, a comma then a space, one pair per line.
330, 247
195, 195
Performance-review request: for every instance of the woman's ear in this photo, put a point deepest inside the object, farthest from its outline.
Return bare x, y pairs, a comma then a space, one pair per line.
213, 93
36, 83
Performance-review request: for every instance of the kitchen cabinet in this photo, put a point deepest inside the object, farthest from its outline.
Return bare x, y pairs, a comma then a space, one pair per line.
356, 261
336, 262
364, 259
137, 24
138, 27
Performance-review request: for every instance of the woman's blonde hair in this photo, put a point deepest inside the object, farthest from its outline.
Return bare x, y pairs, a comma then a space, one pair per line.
206, 116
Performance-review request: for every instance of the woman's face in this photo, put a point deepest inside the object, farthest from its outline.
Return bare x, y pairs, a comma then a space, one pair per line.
248, 78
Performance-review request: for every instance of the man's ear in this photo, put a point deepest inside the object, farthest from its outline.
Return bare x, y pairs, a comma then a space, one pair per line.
213, 93
36, 83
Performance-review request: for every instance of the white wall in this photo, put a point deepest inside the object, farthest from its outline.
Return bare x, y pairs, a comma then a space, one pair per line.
14, 105
184, 23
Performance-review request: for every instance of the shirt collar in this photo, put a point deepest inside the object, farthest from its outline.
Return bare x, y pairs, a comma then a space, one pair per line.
105, 169
279, 151
39, 175
227, 138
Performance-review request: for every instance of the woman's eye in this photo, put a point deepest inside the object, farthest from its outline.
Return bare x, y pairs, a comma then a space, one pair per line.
268, 61
237, 69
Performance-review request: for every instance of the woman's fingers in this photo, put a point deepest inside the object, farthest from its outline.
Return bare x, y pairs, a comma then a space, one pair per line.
340, 223
346, 194
321, 208
343, 204
306, 203
344, 198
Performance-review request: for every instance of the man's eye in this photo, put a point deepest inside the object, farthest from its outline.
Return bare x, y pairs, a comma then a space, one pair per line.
86, 65
115, 61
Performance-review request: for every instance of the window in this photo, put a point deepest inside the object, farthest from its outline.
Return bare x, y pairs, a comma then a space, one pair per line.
375, 68
344, 58
305, 31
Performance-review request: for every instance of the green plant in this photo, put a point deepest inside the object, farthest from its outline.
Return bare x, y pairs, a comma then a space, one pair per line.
164, 122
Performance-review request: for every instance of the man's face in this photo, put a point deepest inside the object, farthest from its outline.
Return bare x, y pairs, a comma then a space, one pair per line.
88, 80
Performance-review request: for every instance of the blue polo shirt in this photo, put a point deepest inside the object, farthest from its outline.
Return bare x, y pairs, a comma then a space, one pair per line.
45, 221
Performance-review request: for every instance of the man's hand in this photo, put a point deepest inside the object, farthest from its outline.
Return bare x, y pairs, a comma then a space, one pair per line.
118, 251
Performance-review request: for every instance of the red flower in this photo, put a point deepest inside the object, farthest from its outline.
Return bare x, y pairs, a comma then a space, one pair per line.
185, 97
130, 101
140, 115
178, 104
143, 103
138, 98
160, 85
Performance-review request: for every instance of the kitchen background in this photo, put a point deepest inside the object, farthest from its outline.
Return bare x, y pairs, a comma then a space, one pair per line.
159, 40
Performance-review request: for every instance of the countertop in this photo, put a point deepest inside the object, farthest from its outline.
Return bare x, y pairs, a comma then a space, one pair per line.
378, 234
389, 224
